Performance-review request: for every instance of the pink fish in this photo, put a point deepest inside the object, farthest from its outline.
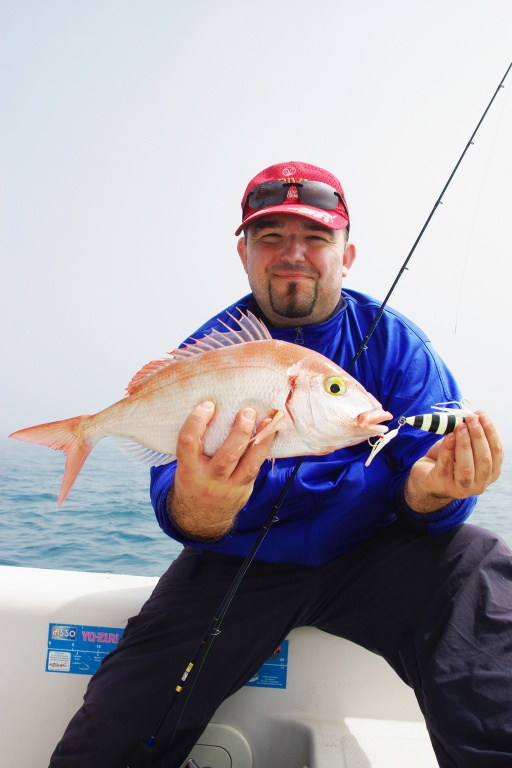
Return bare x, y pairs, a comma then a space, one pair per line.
316, 407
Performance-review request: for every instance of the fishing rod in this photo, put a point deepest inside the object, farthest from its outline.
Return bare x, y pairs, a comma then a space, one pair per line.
148, 750
214, 627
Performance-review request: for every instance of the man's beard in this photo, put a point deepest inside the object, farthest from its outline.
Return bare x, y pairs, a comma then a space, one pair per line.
294, 303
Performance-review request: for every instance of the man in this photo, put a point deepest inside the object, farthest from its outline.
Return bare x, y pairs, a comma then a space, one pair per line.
374, 554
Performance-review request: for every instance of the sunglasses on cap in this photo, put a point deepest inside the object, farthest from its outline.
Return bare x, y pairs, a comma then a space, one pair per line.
314, 193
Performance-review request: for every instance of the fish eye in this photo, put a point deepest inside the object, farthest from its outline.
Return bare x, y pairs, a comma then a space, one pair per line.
335, 386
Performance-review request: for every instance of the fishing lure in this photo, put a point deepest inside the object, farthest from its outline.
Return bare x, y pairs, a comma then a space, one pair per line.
445, 418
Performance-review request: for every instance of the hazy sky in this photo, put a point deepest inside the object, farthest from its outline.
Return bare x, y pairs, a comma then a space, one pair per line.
131, 128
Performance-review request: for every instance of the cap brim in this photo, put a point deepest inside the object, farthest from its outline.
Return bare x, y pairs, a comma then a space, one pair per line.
329, 219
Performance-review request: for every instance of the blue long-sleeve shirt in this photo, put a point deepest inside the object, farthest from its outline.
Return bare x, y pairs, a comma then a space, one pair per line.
335, 502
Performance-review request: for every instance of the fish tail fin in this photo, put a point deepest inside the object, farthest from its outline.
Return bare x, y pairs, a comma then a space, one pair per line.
68, 436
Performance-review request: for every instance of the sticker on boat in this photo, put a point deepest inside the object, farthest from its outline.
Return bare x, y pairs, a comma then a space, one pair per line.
273, 672
79, 649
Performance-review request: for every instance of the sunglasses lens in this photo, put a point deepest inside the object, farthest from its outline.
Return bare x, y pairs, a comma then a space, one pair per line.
319, 195
267, 194
314, 193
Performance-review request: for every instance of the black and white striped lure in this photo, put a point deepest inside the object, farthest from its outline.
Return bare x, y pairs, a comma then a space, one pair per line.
442, 422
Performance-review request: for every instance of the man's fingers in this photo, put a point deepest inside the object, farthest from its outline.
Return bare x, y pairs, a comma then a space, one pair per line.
189, 444
487, 450
256, 453
444, 456
238, 454
494, 443
470, 458
226, 458
240, 458
464, 467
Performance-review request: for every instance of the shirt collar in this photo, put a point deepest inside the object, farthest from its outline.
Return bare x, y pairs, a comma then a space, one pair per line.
291, 331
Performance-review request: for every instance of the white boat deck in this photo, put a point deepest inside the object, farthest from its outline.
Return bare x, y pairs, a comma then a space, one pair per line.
342, 707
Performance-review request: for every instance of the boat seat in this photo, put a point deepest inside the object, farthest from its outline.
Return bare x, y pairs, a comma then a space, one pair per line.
386, 744
352, 743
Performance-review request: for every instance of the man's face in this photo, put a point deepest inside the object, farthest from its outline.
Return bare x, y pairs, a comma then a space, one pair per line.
295, 268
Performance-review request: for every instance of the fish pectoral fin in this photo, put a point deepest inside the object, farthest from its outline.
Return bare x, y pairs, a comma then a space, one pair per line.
270, 429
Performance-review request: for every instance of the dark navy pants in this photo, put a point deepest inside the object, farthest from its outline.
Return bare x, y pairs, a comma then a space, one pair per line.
437, 608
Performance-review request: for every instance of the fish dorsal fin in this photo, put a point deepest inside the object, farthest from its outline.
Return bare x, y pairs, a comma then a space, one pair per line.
147, 371
249, 328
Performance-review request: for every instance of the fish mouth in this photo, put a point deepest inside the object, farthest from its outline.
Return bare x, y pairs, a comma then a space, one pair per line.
370, 421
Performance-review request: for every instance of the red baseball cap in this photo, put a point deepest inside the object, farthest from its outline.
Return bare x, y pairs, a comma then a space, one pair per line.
299, 201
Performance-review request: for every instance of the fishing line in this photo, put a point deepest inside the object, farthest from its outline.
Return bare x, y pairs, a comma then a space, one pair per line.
213, 630
438, 202
477, 205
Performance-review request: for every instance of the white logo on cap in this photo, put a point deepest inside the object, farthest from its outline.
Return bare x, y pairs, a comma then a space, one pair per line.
288, 170
327, 218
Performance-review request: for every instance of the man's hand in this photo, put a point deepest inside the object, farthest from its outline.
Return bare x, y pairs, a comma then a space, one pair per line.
208, 493
460, 465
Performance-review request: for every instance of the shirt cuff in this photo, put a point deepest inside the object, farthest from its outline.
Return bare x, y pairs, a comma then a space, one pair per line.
444, 519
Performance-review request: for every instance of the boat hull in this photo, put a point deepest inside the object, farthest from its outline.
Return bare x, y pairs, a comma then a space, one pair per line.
325, 703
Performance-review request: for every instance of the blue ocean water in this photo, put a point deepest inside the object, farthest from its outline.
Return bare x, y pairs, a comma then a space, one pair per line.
107, 522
